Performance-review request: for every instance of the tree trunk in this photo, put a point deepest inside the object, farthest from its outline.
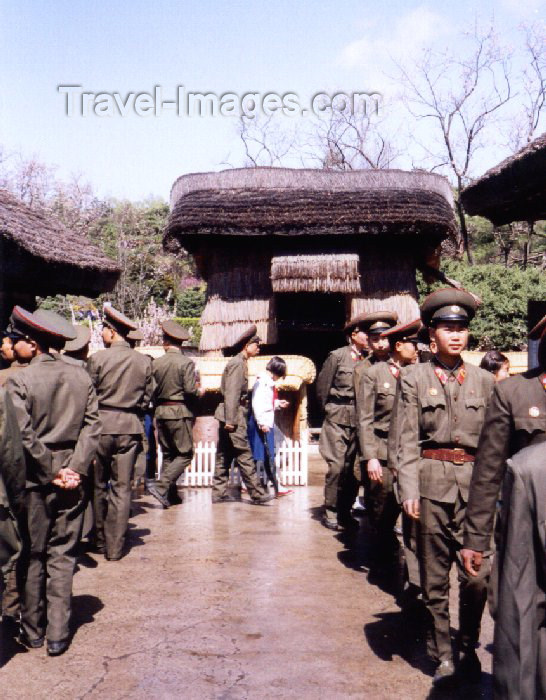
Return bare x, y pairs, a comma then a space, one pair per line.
464, 231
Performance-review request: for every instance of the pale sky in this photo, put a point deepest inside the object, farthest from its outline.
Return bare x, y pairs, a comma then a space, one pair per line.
240, 46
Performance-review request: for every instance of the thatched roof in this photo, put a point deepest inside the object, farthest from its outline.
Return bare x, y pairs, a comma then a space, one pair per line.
289, 202
514, 190
316, 273
39, 254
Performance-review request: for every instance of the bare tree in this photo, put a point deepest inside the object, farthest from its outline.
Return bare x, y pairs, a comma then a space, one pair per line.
266, 141
460, 96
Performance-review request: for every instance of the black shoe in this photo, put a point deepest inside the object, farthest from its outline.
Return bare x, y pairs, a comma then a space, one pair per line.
262, 500
444, 675
347, 522
152, 490
469, 668
57, 648
228, 498
329, 520
112, 558
30, 643
174, 497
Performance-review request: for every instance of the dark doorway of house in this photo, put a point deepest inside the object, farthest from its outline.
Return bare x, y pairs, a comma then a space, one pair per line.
310, 324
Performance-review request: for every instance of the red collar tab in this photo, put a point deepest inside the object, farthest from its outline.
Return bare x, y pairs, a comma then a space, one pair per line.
543, 380
441, 374
395, 371
461, 375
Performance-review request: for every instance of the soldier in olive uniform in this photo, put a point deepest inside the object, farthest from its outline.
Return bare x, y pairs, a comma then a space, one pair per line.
12, 484
175, 394
8, 355
443, 405
374, 404
338, 444
233, 416
516, 418
123, 381
57, 413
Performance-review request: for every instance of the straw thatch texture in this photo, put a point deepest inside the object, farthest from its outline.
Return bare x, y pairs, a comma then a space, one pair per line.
224, 321
514, 190
40, 253
285, 202
316, 273
404, 304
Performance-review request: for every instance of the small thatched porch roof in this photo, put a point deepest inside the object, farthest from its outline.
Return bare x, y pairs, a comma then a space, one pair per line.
39, 255
514, 190
316, 273
291, 202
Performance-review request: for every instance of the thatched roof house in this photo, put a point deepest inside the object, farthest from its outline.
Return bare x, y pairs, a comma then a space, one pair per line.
40, 256
302, 250
514, 190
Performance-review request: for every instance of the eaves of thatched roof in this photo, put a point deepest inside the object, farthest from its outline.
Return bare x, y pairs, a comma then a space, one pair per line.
514, 190
291, 202
40, 255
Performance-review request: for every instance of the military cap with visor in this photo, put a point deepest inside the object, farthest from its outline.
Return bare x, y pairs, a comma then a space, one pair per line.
250, 335
406, 332
56, 321
117, 321
137, 334
375, 322
25, 324
174, 331
83, 338
448, 305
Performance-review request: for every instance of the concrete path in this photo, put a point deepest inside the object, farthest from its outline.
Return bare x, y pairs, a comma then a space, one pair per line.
228, 602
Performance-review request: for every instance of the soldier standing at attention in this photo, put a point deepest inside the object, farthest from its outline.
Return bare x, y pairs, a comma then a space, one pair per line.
57, 414
374, 404
516, 418
337, 444
233, 432
123, 381
443, 407
175, 394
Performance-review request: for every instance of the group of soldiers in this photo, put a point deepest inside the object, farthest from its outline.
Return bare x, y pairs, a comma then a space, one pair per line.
430, 437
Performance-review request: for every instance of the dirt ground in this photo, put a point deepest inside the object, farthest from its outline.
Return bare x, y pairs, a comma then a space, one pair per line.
235, 601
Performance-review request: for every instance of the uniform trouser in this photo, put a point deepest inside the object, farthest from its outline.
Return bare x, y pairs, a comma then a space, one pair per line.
54, 519
338, 448
440, 542
10, 594
410, 535
176, 440
383, 510
114, 466
235, 446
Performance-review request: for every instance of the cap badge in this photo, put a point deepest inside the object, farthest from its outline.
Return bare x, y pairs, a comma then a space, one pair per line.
433, 391
455, 309
534, 412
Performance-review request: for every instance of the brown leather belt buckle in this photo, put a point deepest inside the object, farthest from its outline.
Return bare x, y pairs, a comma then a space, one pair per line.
458, 456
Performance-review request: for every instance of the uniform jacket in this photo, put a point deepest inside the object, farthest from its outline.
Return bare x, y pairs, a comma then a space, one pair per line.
57, 413
516, 418
174, 380
374, 404
519, 657
234, 387
6, 373
123, 380
335, 386
439, 415
12, 482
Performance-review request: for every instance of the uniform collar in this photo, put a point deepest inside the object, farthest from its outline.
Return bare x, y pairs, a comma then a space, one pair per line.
119, 344
443, 373
173, 349
44, 357
356, 354
393, 367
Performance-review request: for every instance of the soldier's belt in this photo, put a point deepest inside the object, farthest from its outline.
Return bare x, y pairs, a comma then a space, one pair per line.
341, 402
58, 446
172, 402
456, 455
122, 409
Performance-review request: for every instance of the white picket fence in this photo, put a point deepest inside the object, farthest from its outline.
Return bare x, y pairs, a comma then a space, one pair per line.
290, 459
